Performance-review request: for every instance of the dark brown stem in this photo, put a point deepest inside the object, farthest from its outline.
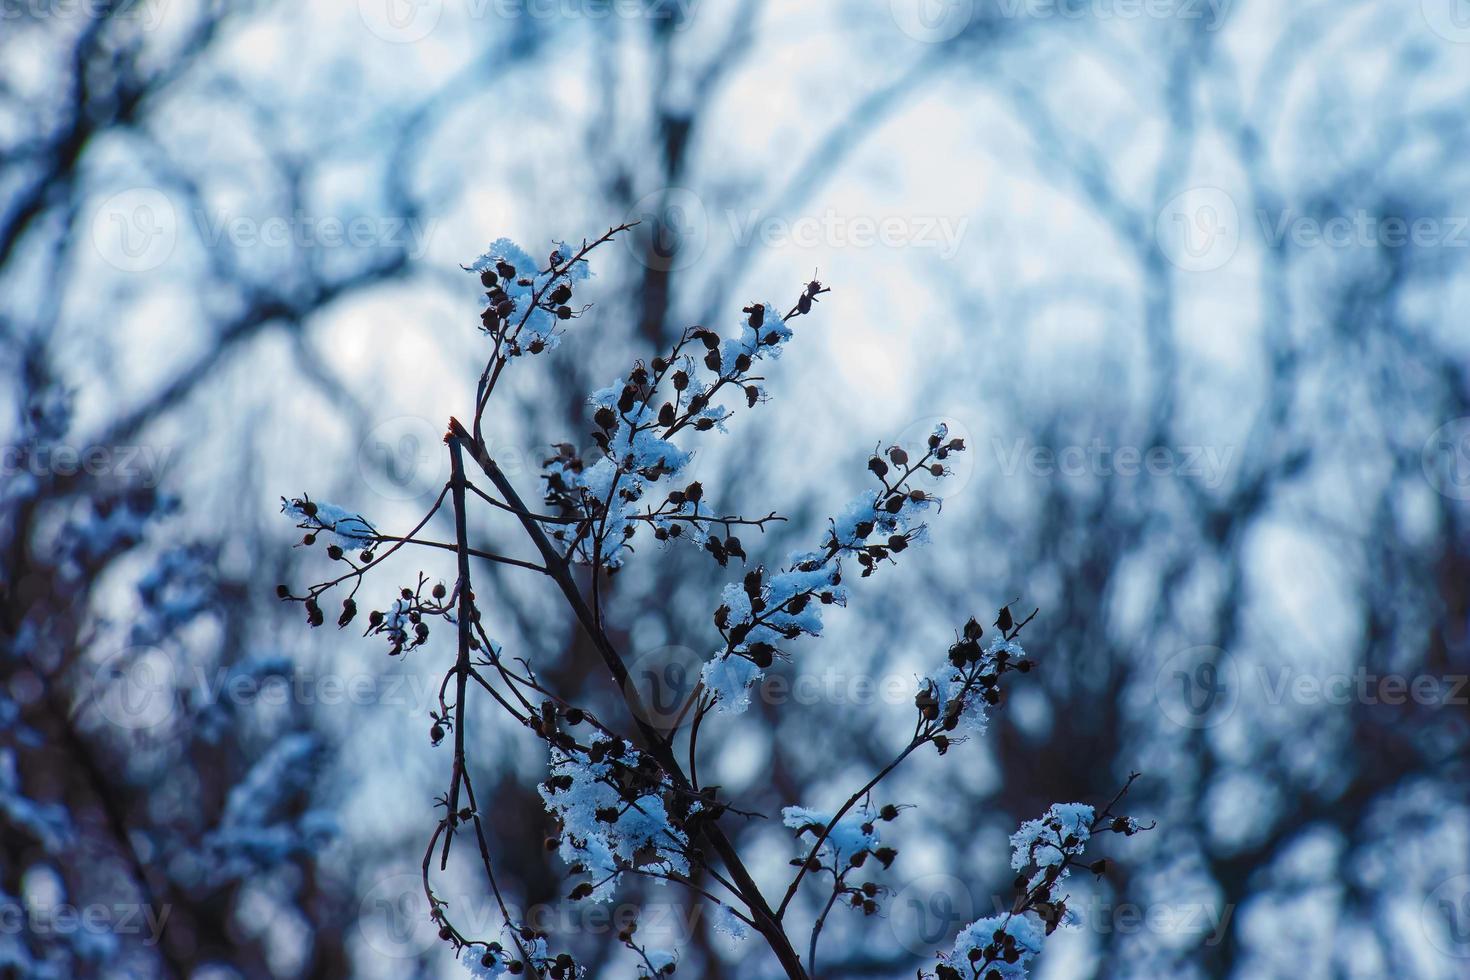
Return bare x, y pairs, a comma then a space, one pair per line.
559, 571
832, 824
462, 664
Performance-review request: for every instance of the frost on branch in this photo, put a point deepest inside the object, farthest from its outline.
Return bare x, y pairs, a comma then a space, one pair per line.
1044, 852
963, 689
497, 961
621, 803
727, 923
348, 530
1064, 829
613, 804
854, 835
660, 963
759, 613
525, 304
637, 477
1003, 943
636, 458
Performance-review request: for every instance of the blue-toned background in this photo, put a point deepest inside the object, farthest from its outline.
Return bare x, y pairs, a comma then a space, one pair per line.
1188, 276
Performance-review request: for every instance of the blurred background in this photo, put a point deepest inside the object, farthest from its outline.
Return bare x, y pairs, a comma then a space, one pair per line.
1182, 273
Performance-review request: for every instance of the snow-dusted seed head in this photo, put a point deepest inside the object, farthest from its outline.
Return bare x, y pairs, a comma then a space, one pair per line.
621, 804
